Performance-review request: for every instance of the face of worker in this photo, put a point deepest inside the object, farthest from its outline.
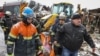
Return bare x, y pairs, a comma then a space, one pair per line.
29, 20
61, 21
76, 22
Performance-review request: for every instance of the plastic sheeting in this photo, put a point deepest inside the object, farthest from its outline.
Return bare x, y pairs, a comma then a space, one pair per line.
2, 43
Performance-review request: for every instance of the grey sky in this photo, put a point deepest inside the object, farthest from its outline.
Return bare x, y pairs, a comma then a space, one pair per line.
90, 4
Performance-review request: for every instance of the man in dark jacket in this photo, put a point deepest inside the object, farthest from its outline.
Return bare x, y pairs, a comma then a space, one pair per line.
71, 36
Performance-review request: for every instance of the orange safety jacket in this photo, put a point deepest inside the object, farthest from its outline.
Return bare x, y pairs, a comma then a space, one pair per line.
23, 37
26, 31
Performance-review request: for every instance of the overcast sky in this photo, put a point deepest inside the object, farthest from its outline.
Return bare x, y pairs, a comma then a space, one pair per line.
89, 4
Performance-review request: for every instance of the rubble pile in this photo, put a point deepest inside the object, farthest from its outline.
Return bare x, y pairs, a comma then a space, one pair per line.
85, 50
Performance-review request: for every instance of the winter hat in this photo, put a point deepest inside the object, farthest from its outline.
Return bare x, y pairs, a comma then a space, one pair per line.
76, 16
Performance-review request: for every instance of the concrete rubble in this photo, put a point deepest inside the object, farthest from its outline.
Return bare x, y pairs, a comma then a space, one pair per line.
86, 50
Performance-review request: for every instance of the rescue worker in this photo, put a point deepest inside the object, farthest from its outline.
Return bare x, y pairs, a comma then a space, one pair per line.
61, 20
7, 24
56, 28
71, 36
23, 34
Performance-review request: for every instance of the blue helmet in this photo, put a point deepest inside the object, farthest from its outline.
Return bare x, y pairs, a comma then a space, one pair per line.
28, 12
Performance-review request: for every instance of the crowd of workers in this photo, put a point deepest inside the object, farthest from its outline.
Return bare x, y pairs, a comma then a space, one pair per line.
26, 37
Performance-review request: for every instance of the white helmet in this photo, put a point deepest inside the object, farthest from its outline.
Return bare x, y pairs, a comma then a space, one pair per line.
8, 13
62, 15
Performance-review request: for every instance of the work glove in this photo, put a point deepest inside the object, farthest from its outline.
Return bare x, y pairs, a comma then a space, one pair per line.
4, 29
56, 44
40, 47
10, 54
40, 50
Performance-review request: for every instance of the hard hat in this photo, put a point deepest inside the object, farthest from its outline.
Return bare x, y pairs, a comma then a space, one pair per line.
62, 15
28, 12
8, 13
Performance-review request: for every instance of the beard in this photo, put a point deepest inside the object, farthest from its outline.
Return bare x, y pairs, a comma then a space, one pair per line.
25, 20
